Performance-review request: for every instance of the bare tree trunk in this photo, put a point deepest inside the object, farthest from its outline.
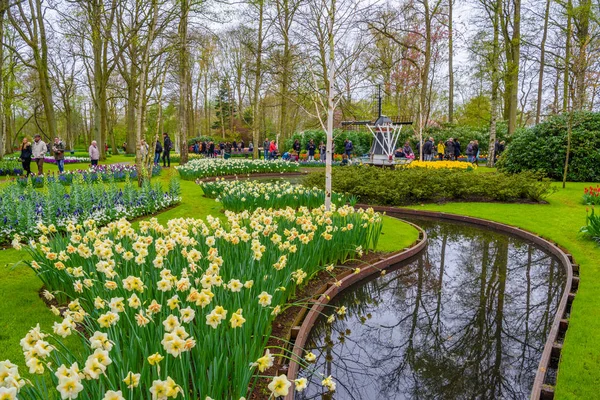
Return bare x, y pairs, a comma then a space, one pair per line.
513, 68
450, 64
566, 78
495, 82
145, 64
538, 111
330, 106
583, 39
3, 7
184, 82
257, 80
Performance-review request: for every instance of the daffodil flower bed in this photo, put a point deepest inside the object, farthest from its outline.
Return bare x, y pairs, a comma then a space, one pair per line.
441, 165
209, 167
250, 195
22, 209
177, 311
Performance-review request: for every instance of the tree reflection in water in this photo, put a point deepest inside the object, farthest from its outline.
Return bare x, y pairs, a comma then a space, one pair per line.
467, 319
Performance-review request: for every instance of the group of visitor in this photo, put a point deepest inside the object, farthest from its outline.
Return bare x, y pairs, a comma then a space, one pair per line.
449, 150
163, 149
36, 152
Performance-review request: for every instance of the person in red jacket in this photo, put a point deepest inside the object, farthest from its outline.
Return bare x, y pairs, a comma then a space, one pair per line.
272, 150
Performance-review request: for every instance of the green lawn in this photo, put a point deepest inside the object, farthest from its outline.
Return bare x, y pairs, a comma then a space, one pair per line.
21, 308
559, 221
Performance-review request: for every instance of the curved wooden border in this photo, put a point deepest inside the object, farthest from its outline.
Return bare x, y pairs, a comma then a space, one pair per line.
552, 349
344, 282
539, 391
248, 176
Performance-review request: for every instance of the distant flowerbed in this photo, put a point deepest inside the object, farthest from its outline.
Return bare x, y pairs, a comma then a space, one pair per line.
178, 311
441, 165
250, 195
210, 167
591, 195
52, 160
22, 209
100, 173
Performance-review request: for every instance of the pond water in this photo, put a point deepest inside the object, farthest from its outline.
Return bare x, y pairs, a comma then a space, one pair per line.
466, 319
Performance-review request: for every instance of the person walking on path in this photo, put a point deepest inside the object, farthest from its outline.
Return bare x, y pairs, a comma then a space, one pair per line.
25, 156
475, 151
167, 146
94, 153
266, 145
348, 147
157, 152
59, 154
441, 150
322, 152
428, 150
144, 151
39, 150
211, 149
450, 149
311, 147
457, 150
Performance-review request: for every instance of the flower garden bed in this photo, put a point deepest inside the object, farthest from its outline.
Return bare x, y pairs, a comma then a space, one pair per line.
25, 209
95, 174
190, 304
250, 195
213, 167
10, 167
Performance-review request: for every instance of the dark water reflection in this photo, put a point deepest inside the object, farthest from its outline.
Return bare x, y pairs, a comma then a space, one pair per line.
467, 319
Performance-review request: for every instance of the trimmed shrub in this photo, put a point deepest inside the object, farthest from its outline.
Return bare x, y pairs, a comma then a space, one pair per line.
405, 186
543, 148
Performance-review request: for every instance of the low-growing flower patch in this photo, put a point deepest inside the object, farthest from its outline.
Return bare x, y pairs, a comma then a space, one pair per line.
22, 209
52, 160
250, 195
440, 165
100, 173
591, 195
10, 167
209, 167
182, 310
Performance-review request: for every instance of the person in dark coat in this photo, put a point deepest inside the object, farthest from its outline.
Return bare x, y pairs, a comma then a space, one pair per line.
428, 150
450, 149
296, 146
311, 147
211, 149
25, 156
167, 147
457, 151
157, 152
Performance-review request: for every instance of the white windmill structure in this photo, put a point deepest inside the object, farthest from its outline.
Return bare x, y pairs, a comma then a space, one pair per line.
385, 138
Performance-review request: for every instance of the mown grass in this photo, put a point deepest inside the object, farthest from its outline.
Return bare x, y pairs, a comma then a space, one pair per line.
21, 307
560, 221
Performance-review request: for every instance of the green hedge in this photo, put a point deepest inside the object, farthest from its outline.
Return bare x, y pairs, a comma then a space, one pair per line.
399, 187
544, 148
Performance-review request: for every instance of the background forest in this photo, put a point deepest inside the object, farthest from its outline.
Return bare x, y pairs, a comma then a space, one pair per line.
120, 70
